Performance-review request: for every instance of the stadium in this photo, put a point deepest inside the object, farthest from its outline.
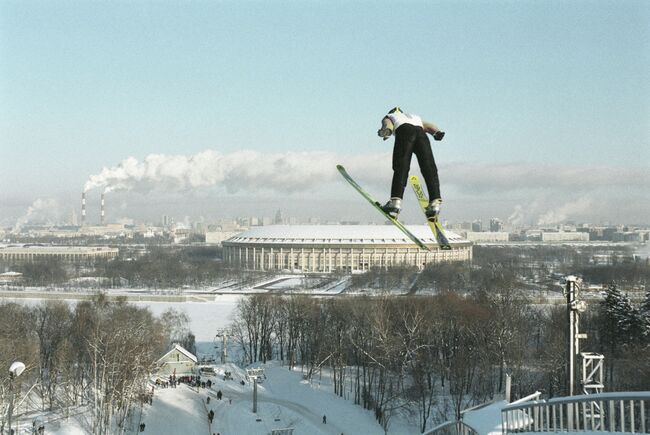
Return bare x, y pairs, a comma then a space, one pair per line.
338, 248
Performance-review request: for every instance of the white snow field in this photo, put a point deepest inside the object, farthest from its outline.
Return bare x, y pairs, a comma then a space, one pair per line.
205, 317
285, 400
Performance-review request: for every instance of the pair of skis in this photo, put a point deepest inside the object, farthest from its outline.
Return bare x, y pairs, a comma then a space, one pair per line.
435, 226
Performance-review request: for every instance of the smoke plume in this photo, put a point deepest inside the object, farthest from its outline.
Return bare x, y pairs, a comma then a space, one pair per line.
238, 171
568, 210
516, 219
42, 210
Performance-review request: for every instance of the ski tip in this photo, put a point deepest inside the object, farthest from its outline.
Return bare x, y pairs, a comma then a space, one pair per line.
340, 167
414, 178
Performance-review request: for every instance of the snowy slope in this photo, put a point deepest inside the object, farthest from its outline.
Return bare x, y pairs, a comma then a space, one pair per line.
285, 400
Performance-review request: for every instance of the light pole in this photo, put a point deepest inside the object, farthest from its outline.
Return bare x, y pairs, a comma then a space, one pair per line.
575, 306
15, 370
223, 334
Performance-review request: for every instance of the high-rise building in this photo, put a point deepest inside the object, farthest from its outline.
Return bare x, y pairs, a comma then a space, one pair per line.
73, 218
495, 225
278, 218
477, 226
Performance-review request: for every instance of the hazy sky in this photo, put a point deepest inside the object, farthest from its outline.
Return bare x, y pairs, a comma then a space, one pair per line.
546, 104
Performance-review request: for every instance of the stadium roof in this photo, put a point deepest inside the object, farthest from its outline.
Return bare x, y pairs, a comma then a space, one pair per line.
339, 234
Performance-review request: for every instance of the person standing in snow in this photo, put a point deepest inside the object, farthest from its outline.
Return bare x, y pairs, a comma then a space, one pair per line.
324, 419
410, 133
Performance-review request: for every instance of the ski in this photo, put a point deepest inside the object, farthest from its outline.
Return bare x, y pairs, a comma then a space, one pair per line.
377, 205
435, 226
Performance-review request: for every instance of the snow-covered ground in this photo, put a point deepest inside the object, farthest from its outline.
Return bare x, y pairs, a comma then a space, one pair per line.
205, 317
285, 400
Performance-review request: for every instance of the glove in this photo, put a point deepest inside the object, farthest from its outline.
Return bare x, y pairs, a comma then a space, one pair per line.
384, 133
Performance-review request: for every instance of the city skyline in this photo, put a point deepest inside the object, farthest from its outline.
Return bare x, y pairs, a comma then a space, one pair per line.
546, 106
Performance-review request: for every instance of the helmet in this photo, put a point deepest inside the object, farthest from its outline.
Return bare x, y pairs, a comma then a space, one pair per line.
395, 109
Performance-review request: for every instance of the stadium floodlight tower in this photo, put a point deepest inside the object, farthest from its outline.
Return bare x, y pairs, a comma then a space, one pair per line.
15, 370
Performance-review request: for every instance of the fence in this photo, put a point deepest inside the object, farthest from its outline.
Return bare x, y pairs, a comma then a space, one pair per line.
605, 412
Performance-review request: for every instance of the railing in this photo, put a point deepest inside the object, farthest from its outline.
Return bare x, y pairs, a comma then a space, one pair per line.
606, 412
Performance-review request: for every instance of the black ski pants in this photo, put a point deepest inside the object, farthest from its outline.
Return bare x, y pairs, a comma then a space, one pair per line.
409, 140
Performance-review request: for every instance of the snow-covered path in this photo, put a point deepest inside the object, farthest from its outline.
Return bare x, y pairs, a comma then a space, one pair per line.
287, 413
176, 411
285, 400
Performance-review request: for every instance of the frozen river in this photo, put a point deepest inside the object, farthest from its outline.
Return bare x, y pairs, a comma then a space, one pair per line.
205, 317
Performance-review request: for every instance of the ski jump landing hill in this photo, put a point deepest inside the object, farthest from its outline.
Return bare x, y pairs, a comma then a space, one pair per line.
338, 248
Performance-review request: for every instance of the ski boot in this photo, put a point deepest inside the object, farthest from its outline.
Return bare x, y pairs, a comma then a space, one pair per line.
438, 135
392, 207
433, 209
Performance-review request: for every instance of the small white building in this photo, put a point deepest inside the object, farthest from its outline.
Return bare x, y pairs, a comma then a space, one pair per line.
564, 236
486, 236
178, 361
24, 253
10, 277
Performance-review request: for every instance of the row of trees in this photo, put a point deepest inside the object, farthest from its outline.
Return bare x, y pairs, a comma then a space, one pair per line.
538, 262
173, 268
440, 353
98, 353
159, 268
623, 332
388, 353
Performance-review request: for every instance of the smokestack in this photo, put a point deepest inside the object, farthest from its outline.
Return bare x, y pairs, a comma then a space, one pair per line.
83, 209
102, 220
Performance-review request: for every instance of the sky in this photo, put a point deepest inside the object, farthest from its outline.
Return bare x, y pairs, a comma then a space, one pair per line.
218, 108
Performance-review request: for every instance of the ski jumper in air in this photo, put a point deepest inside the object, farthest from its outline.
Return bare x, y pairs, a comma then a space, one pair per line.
410, 133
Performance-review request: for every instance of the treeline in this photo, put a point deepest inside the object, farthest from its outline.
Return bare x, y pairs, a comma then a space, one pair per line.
172, 267
45, 272
628, 274
455, 276
450, 351
537, 261
388, 353
160, 267
622, 332
96, 354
